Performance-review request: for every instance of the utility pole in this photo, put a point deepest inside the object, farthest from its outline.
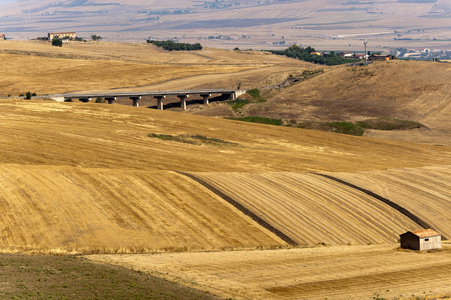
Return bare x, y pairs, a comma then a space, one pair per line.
366, 60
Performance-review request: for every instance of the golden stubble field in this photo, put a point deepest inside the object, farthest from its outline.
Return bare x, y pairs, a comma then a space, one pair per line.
87, 178
41, 68
340, 272
90, 178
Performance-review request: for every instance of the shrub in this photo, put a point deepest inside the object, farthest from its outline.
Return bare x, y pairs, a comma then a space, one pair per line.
389, 124
100, 100
260, 120
28, 95
173, 46
68, 100
95, 37
57, 42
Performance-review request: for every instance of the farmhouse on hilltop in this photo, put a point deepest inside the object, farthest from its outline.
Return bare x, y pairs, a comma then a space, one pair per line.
62, 35
426, 239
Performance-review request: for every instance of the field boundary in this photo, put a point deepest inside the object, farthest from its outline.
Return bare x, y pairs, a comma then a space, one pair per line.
392, 204
243, 209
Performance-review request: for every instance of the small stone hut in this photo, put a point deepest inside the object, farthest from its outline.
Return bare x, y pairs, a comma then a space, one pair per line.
2, 36
426, 239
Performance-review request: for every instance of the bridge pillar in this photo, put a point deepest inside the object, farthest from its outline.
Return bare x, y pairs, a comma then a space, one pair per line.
110, 99
85, 100
231, 96
205, 97
135, 100
183, 100
160, 103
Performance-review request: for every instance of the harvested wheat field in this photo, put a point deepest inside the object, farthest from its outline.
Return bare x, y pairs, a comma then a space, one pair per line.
312, 210
97, 178
41, 68
340, 272
108, 211
426, 192
115, 136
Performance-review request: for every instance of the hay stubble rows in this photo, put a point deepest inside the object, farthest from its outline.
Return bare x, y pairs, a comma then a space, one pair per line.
90, 178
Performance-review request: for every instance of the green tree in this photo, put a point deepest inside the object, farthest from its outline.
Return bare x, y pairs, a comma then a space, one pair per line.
57, 42
95, 37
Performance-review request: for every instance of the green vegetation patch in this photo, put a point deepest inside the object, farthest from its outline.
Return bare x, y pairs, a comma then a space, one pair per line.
192, 139
260, 120
339, 127
173, 46
358, 128
309, 54
238, 104
251, 96
389, 124
72, 277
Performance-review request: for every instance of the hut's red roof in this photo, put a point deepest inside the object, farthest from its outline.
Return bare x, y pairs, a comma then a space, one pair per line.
425, 233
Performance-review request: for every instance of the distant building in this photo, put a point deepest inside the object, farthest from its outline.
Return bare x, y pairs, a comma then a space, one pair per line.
426, 239
345, 54
316, 53
375, 57
2, 36
359, 56
61, 35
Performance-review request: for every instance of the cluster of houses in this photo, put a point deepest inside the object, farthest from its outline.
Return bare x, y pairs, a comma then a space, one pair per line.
351, 55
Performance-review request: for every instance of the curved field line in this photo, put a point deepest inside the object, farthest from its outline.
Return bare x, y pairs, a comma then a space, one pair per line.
398, 207
309, 209
243, 209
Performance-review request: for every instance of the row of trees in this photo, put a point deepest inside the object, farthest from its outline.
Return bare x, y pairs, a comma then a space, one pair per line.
301, 53
173, 46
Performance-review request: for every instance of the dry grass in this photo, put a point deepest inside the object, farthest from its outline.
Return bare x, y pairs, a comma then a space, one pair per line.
39, 67
425, 192
348, 272
116, 136
114, 211
313, 210
82, 177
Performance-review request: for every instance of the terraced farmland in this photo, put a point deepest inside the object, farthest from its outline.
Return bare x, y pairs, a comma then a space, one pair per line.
310, 209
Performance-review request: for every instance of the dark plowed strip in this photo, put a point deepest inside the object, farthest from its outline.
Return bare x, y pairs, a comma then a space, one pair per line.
399, 208
243, 209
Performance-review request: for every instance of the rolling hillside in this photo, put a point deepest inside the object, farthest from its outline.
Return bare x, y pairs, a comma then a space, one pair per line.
314, 210
117, 211
88, 177
425, 191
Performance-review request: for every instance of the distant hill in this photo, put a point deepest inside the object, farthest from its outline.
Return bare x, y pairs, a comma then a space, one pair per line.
326, 25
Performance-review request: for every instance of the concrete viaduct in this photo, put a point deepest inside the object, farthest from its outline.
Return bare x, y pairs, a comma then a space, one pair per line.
160, 96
